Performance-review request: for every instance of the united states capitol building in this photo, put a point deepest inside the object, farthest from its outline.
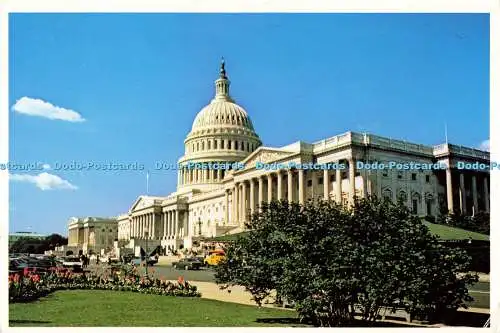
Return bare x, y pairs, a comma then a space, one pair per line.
212, 201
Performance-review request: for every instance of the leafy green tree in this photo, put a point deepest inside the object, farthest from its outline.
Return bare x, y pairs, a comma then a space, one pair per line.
331, 262
35, 245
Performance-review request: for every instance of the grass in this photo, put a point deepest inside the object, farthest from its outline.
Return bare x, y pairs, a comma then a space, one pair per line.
125, 309
448, 233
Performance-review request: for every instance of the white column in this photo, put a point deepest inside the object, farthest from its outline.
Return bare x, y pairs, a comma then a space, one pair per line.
474, 194
486, 195
261, 191
226, 212
165, 225
280, 185
326, 185
338, 185
236, 202
169, 225
290, 185
301, 186
205, 175
269, 188
314, 185
463, 198
153, 226
252, 196
365, 183
244, 201
176, 226
219, 175
352, 180
449, 189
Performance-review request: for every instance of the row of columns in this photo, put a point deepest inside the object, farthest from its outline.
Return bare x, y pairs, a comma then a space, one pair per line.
188, 176
243, 207
462, 193
171, 225
143, 224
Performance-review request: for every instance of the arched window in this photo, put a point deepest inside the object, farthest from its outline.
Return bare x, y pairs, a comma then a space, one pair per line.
387, 194
402, 196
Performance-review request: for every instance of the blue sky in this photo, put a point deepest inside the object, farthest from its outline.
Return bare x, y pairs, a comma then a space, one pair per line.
139, 80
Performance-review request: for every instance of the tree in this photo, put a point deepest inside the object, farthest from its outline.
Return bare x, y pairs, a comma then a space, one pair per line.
332, 262
35, 245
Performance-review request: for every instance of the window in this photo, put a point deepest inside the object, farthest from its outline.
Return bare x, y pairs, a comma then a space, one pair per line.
429, 208
209, 144
309, 183
215, 144
400, 175
332, 178
358, 173
385, 173
427, 178
413, 176
235, 145
320, 181
387, 194
415, 206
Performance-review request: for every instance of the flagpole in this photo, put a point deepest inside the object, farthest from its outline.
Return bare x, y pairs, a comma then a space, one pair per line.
147, 183
446, 132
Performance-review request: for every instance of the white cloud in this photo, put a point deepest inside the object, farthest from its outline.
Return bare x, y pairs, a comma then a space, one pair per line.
40, 108
44, 181
46, 166
485, 145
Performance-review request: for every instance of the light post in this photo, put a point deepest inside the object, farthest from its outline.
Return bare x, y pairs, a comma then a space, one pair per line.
146, 234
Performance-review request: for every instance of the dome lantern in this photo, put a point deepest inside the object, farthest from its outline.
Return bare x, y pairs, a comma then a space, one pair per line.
222, 83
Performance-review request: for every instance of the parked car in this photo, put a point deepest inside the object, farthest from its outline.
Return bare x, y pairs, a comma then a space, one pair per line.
137, 261
73, 263
192, 263
214, 257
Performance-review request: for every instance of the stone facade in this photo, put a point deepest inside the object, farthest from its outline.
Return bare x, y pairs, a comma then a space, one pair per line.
92, 234
211, 202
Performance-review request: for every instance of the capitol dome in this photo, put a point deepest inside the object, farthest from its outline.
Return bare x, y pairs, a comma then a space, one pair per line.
222, 131
222, 112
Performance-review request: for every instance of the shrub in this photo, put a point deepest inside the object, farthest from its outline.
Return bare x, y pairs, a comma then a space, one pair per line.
332, 262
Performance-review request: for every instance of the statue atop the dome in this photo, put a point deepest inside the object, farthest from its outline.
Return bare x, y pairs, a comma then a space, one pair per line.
223, 69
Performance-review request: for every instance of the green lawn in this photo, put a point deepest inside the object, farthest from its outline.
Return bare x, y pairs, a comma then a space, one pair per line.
447, 233
113, 308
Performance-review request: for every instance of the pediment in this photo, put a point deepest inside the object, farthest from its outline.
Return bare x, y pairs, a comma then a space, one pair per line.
144, 202
265, 155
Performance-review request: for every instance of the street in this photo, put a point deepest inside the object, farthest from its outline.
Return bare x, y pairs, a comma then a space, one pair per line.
480, 291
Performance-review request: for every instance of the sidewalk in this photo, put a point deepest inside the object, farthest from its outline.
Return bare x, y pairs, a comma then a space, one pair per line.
210, 290
237, 294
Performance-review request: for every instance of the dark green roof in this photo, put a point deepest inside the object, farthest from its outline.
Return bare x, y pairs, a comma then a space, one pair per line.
442, 231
